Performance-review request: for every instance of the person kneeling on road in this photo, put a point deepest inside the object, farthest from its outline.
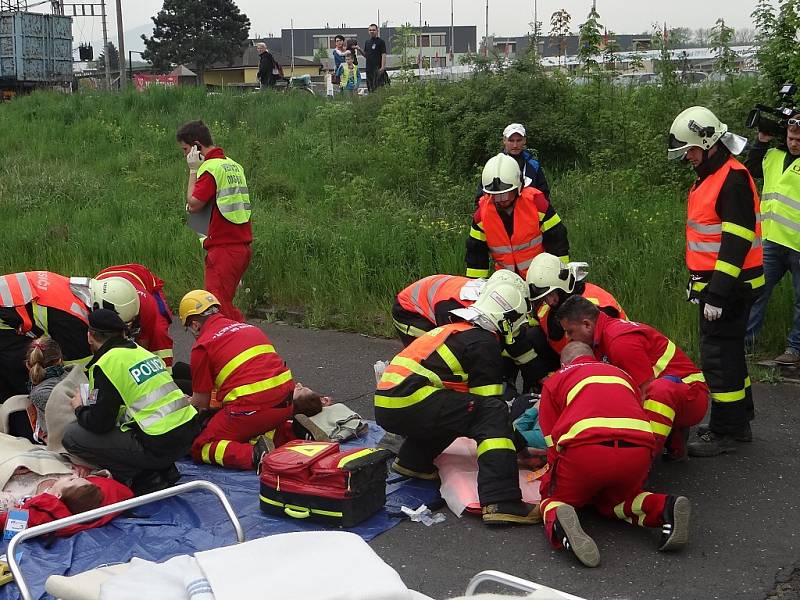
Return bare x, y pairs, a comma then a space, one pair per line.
448, 383
136, 422
600, 448
259, 398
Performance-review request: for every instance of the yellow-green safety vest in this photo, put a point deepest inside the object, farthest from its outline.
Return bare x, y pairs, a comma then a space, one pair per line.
149, 395
233, 198
780, 200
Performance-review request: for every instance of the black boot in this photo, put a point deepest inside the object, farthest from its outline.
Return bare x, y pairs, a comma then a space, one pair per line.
712, 443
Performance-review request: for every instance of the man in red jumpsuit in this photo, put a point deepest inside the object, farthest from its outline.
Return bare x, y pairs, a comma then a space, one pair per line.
600, 448
151, 327
252, 381
674, 392
217, 196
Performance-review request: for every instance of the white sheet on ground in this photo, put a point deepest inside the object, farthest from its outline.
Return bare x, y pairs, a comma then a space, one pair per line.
292, 566
458, 470
179, 577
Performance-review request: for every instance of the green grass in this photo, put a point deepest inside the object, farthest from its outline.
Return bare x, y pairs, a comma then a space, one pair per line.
353, 201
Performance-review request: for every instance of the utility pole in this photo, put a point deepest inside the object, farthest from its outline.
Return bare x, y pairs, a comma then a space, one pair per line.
105, 43
291, 23
452, 38
419, 42
120, 46
486, 33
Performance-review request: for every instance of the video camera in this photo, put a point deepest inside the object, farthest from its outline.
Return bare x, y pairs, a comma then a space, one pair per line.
775, 124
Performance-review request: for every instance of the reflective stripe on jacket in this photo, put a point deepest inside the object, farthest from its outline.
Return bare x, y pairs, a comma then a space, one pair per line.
422, 296
594, 294
233, 197
588, 402
517, 252
704, 227
151, 399
412, 375
45, 290
780, 200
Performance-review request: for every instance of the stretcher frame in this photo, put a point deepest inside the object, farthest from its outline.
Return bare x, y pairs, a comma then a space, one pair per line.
511, 581
46, 528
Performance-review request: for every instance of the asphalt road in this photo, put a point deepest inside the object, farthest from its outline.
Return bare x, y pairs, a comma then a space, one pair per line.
745, 537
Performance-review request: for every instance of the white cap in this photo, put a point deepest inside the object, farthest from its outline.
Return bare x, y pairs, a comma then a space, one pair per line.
512, 129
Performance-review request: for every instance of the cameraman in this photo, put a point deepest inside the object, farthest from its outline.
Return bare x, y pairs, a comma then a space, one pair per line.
780, 214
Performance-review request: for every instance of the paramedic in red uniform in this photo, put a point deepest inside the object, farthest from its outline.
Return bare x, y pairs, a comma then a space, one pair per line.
219, 181
600, 448
674, 392
512, 224
151, 327
253, 384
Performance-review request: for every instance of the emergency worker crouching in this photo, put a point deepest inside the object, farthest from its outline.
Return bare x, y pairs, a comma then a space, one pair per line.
135, 422
448, 383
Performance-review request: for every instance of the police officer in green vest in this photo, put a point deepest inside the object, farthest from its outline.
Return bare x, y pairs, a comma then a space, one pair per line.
134, 421
780, 226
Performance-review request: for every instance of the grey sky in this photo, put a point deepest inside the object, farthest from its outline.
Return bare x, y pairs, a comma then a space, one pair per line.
506, 17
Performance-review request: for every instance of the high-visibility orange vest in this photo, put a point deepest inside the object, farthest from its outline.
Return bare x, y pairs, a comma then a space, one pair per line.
422, 296
44, 289
704, 226
594, 294
517, 252
418, 351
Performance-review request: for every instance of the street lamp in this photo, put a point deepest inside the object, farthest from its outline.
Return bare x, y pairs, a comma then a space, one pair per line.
419, 41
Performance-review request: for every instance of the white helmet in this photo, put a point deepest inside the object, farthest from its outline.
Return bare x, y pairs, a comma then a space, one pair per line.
501, 174
117, 294
502, 307
547, 273
695, 127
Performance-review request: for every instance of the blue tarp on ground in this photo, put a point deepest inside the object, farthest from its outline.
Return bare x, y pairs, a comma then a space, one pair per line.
194, 522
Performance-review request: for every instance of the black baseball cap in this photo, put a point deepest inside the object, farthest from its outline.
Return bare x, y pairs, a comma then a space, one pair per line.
106, 321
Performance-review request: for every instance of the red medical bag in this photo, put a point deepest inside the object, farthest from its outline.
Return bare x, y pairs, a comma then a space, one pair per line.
318, 481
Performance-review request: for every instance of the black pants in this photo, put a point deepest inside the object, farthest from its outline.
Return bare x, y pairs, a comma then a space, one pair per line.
13, 374
182, 375
546, 360
376, 79
119, 451
722, 358
433, 424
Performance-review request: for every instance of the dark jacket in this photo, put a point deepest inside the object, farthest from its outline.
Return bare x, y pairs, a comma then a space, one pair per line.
266, 63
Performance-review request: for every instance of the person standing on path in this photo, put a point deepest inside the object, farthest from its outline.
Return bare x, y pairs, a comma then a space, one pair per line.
217, 195
374, 52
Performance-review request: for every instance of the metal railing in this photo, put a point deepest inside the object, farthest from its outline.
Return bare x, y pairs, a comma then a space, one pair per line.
33, 532
513, 582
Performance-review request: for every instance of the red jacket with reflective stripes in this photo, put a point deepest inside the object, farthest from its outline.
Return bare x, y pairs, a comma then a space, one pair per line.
240, 362
596, 295
422, 296
640, 350
154, 313
587, 402
704, 226
517, 252
47, 289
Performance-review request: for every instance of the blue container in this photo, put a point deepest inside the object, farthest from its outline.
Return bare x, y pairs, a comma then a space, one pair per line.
35, 47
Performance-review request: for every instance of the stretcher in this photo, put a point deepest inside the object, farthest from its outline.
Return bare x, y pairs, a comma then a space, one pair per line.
275, 562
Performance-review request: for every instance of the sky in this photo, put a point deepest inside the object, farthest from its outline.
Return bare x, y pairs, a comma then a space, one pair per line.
506, 17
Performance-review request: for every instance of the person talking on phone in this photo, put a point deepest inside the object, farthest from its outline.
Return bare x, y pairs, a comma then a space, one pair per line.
133, 420
218, 203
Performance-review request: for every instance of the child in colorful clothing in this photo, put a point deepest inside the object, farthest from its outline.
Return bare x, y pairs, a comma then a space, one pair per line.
348, 74
45, 365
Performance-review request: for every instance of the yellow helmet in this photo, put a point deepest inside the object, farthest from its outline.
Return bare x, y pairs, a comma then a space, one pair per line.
196, 302
117, 294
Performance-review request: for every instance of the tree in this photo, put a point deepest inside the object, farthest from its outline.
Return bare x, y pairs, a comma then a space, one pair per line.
665, 65
744, 36
113, 59
680, 37
196, 31
611, 52
321, 53
720, 40
559, 30
701, 37
778, 53
590, 40
403, 43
